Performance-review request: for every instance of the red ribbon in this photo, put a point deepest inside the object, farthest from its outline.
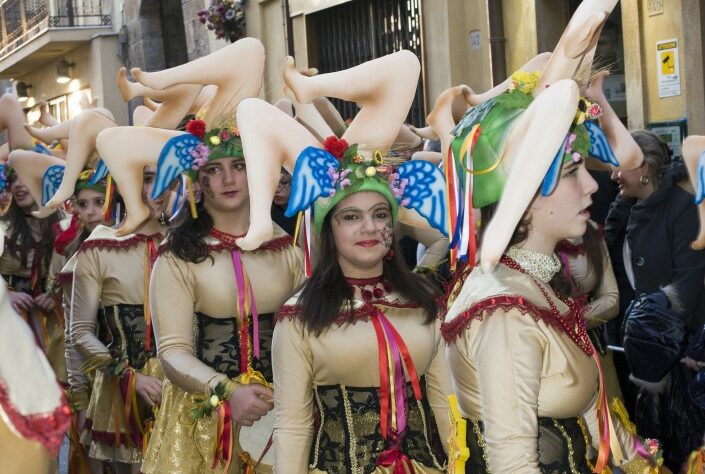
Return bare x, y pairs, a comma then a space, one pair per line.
603, 417
395, 457
383, 377
224, 446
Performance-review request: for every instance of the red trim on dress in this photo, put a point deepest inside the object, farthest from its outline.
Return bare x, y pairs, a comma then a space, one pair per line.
64, 277
48, 429
273, 245
488, 306
114, 244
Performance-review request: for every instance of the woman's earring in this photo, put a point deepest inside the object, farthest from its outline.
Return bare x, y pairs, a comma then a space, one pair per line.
163, 219
389, 255
644, 179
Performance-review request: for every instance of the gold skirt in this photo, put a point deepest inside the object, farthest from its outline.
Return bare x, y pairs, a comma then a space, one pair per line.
184, 445
99, 434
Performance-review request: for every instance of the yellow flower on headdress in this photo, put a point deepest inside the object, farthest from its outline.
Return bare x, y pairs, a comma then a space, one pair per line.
201, 113
215, 140
525, 81
85, 174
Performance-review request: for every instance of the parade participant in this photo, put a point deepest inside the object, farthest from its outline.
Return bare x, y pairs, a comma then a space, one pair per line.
358, 308
527, 378
27, 252
213, 303
33, 412
205, 71
111, 329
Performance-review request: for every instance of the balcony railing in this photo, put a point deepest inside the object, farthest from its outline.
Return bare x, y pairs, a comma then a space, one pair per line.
21, 20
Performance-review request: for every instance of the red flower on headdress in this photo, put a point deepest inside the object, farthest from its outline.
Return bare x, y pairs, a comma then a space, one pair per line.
196, 128
335, 146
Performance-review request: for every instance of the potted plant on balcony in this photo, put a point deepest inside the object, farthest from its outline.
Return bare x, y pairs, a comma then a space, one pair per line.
226, 18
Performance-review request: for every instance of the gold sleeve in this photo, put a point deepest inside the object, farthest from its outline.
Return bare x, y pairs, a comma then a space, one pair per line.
172, 304
88, 283
623, 437
509, 351
78, 382
605, 303
292, 363
438, 387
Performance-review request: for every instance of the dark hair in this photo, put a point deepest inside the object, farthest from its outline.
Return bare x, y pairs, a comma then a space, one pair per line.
594, 251
21, 239
326, 292
186, 238
656, 153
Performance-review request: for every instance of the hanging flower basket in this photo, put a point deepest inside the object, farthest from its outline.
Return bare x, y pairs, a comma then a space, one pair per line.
226, 18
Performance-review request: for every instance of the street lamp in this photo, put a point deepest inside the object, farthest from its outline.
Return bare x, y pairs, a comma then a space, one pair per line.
22, 91
63, 75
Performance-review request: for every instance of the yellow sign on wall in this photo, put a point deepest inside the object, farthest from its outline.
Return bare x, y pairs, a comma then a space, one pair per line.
668, 69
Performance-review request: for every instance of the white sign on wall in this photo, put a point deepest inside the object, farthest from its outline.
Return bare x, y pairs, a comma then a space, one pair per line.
475, 39
668, 67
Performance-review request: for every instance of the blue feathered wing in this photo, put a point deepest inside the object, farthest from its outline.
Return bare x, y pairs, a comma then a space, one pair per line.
700, 180
599, 146
310, 179
174, 159
101, 171
51, 181
426, 192
554, 171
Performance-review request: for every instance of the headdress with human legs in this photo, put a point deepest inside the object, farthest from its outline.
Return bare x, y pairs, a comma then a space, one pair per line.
273, 140
148, 142
694, 157
518, 135
81, 131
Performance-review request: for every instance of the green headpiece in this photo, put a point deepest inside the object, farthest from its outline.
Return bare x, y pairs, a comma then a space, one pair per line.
325, 176
83, 182
489, 126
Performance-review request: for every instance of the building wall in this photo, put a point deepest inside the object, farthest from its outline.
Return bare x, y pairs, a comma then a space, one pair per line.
657, 28
96, 65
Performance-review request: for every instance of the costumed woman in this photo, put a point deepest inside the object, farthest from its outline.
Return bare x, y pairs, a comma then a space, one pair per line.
212, 302
29, 234
111, 329
362, 307
527, 379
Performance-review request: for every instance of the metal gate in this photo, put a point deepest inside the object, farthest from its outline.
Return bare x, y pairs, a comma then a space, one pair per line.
360, 30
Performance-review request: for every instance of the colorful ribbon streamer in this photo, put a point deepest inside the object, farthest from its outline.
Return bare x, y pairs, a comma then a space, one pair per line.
394, 356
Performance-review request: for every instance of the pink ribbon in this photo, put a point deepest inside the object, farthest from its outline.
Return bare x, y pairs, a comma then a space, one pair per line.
241, 300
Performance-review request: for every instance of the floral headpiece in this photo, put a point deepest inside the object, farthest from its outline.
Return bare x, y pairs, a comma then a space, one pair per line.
485, 129
476, 172
85, 180
185, 154
324, 177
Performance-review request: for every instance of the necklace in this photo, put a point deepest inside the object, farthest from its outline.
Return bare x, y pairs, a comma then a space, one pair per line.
224, 237
375, 287
574, 326
539, 265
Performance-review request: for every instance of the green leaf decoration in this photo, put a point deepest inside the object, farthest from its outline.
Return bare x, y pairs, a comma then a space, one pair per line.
350, 152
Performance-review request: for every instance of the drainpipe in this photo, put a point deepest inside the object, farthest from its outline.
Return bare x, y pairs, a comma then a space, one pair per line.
497, 41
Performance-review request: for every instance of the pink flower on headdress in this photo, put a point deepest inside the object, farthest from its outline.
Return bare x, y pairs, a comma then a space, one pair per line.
594, 111
224, 135
398, 187
339, 178
200, 156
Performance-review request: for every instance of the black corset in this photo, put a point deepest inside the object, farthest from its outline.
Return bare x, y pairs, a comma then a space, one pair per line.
217, 344
122, 329
561, 446
348, 437
18, 283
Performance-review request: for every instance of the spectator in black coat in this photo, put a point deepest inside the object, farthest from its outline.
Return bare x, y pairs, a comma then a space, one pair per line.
649, 229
